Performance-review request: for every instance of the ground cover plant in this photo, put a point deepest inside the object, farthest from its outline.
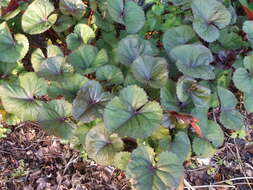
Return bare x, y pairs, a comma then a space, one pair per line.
141, 85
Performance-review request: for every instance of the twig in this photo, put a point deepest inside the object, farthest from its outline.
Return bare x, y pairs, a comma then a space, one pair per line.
234, 179
240, 161
188, 185
210, 186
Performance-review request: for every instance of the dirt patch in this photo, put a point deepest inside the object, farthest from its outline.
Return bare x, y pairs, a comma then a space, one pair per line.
32, 160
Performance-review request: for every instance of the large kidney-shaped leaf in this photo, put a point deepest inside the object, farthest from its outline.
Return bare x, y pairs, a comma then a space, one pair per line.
110, 74
243, 77
131, 47
38, 17
54, 117
202, 148
86, 59
150, 71
20, 99
230, 117
67, 87
102, 146
127, 13
14, 48
177, 36
63, 23
54, 68
209, 17
82, 35
131, 114
149, 172
38, 56
74, 8
90, 102
194, 61
189, 88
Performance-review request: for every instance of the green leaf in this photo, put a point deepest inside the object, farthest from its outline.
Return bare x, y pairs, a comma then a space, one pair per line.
150, 71
67, 87
6, 69
209, 17
86, 59
210, 129
90, 102
194, 61
181, 146
20, 99
177, 36
202, 148
136, 116
168, 97
131, 47
243, 77
127, 13
189, 88
63, 23
150, 172
38, 17
82, 35
4, 3
121, 160
53, 117
248, 102
54, 68
102, 145
12, 49
230, 118
103, 22
111, 74
75, 8
248, 29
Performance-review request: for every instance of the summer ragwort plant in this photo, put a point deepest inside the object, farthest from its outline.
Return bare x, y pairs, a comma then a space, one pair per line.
133, 83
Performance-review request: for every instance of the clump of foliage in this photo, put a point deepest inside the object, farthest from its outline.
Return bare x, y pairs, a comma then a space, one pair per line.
138, 84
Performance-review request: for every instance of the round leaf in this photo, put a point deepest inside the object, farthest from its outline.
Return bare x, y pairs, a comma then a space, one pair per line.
209, 17
86, 59
12, 49
194, 61
132, 47
82, 35
75, 8
136, 116
127, 13
102, 146
38, 17
148, 174
150, 71
111, 74
53, 117
67, 87
178, 36
20, 99
90, 102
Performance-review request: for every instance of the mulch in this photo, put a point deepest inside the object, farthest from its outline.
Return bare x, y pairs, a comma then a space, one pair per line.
32, 160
